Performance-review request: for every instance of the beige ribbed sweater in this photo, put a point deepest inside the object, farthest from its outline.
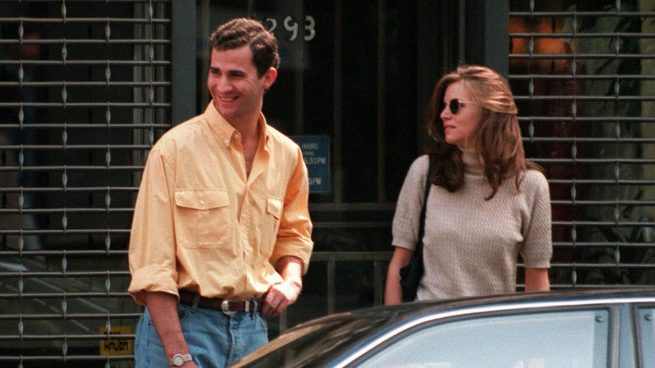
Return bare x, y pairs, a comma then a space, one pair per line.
471, 245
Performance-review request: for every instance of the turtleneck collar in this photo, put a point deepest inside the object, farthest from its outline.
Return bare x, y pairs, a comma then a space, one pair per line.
471, 163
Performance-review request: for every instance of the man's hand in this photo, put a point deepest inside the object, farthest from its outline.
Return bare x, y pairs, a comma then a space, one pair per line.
279, 297
285, 293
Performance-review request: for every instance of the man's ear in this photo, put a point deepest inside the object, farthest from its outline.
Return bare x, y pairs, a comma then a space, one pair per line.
269, 77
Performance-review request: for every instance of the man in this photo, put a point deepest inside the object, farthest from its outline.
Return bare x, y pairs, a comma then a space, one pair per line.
221, 229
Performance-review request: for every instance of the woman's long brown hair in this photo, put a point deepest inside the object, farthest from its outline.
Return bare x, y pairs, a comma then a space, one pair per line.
498, 140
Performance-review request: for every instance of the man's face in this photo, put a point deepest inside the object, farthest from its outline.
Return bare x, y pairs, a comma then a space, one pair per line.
237, 92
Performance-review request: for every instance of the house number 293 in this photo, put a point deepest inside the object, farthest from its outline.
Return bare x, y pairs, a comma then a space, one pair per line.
292, 27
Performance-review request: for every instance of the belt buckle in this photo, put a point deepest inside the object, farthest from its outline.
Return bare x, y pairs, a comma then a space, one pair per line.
251, 306
225, 308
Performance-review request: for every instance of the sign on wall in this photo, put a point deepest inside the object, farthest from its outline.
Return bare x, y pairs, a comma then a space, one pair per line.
316, 153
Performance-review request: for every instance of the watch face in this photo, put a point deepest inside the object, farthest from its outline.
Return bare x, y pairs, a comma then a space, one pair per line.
178, 360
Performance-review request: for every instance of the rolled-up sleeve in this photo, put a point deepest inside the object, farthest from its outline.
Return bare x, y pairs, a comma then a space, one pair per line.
152, 251
294, 234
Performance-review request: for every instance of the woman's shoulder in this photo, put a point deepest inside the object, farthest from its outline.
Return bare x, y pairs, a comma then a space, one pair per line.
418, 172
421, 161
534, 179
419, 166
535, 175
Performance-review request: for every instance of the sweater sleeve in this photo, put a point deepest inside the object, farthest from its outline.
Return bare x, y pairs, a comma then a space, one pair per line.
537, 248
405, 225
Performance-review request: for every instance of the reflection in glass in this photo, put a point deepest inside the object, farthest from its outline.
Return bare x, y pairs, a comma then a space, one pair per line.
547, 340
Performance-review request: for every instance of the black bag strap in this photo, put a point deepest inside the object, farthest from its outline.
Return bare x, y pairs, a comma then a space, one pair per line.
426, 193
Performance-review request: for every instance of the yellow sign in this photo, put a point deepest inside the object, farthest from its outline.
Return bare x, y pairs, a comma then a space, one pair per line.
116, 345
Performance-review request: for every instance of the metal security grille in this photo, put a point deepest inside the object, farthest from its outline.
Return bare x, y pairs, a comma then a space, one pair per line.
582, 73
84, 92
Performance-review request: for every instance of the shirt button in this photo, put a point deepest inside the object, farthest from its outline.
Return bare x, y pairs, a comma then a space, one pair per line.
202, 202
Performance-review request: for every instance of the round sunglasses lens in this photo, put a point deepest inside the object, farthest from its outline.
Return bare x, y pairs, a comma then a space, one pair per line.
454, 106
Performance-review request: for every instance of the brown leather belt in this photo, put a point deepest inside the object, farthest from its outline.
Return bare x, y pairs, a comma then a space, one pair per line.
228, 307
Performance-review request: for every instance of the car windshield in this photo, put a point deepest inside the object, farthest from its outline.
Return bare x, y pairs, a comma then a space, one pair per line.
315, 343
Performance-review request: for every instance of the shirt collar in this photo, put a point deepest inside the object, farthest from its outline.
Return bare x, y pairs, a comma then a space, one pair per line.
226, 132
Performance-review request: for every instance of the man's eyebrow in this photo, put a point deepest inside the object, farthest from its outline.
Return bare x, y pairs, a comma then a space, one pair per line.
229, 71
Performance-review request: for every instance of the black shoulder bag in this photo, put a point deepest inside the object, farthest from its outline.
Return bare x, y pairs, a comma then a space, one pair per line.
411, 275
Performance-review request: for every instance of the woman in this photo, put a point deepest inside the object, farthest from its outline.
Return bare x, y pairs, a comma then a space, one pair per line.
487, 204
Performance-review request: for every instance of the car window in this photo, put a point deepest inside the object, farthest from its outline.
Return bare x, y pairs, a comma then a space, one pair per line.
647, 336
537, 340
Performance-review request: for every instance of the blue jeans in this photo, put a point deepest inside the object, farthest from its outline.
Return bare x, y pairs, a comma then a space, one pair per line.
214, 339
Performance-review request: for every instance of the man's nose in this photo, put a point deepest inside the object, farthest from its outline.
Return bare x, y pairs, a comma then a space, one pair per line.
223, 84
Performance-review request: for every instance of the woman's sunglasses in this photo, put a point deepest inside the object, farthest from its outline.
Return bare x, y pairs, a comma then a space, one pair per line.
455, 105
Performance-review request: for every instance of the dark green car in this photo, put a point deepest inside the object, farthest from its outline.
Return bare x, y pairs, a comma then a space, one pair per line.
571, 328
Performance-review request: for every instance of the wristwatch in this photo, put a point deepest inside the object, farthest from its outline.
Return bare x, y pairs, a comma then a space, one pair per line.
179, 359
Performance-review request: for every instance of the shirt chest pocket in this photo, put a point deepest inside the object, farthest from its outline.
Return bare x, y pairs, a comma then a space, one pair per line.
268, 225
202, 218
274, 207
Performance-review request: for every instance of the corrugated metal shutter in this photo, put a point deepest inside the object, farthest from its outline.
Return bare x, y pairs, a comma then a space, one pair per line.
583, 73
85, 91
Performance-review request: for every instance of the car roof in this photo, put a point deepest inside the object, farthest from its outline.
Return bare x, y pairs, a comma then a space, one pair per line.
366, 328
404, 316
564, 297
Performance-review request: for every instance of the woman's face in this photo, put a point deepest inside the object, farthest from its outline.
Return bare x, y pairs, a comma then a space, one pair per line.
461, 125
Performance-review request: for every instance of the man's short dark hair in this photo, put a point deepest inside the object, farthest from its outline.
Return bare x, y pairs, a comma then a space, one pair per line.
243, 31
